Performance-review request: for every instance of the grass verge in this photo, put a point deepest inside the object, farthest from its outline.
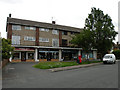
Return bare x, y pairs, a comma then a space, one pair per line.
49, 65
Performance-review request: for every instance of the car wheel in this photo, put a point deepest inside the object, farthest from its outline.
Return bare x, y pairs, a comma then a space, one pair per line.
104, 62
114, 62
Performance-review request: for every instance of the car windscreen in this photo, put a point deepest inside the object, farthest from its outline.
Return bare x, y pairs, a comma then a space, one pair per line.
107, 56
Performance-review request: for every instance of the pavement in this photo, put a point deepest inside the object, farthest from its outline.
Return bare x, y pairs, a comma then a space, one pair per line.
73, 67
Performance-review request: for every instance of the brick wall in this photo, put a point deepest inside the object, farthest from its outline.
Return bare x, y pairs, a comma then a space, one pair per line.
4, 62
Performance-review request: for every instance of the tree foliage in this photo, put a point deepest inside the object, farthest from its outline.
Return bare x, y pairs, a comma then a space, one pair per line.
117, 53
6, 48
84, 40
103, 30
98, 32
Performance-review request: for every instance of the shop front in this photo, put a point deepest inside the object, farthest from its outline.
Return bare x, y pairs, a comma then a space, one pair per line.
38, 54
23, 55
69, 54
48, 54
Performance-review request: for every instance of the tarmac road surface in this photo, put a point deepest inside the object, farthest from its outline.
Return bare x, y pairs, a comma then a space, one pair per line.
23, 75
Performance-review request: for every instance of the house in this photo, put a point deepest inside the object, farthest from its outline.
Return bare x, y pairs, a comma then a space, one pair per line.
38, 41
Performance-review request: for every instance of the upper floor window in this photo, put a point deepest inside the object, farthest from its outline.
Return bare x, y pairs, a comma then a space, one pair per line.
30, 28
64, 32
28, 38
16, 40
44, 29
43, 39
55, 42
64, 42
55, 32
16, 27
72, 33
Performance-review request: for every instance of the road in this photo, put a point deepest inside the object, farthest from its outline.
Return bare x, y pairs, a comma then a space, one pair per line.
23, 75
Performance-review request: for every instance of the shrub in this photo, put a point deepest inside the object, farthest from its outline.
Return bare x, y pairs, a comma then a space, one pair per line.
117, 53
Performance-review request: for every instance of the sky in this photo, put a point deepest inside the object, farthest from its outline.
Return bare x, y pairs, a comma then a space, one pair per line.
64, 12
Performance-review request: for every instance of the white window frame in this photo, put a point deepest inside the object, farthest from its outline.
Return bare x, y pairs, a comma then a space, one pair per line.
44, 29
30, 28
16, 27
29, 38
43, 39
17, 41
55, 32
53, 42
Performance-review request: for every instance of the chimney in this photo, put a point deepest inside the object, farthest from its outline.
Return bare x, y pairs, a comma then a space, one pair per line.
10, 15
53, 22
117, 43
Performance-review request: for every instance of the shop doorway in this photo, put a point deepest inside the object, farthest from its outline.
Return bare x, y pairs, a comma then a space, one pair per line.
23, 56
49, 56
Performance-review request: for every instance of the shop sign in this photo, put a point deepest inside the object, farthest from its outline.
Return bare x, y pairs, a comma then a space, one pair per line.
24, 49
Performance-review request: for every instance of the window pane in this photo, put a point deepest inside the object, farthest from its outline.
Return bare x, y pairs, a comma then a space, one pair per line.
55, 42
16, 40
30, 28
43, 39
16, 27
55, 32
29, 38
44, 29
27, 27
30, 55
15, 56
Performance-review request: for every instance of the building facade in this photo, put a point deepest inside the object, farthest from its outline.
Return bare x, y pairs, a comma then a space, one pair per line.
39, 41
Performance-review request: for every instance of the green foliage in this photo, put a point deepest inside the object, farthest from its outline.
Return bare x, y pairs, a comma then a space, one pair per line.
117, 53
98, 33
84, 40
103, 30
6, 48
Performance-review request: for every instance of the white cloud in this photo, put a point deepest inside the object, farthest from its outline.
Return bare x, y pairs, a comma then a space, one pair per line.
11, 1
66, 12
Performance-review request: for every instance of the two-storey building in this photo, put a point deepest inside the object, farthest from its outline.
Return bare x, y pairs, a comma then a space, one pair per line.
39, 41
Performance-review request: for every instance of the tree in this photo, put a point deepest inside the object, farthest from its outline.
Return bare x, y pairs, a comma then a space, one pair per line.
103, 30
6, 48
117, 53
84, 40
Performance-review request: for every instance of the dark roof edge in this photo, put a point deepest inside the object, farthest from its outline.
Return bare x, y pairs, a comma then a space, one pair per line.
12, 21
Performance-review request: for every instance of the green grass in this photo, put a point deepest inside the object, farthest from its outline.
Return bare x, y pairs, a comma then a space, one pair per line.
49, 65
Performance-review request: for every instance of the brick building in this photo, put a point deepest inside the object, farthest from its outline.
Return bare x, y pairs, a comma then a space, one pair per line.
39, 41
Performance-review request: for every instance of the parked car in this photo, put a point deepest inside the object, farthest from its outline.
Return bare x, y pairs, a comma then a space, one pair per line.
109, 58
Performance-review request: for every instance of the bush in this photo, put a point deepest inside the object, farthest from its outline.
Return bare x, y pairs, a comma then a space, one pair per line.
117, 53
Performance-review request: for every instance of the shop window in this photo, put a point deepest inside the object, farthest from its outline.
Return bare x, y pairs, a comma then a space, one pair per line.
90, 55
16, 56
30, 55
42, 55
55, 55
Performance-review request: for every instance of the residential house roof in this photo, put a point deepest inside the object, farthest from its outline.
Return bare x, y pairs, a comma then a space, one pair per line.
42, 24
